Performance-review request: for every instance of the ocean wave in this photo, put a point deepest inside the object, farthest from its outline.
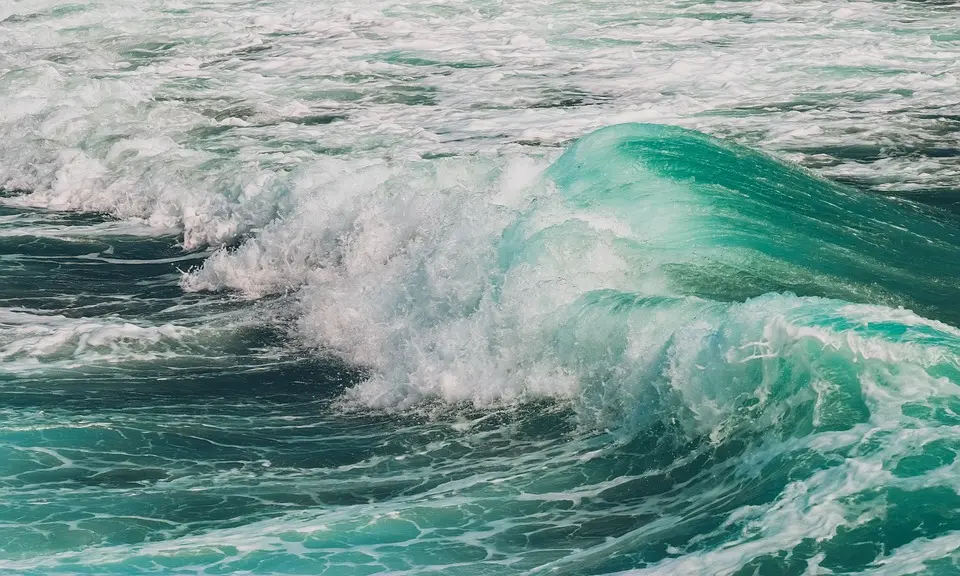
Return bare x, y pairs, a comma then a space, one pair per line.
648, 264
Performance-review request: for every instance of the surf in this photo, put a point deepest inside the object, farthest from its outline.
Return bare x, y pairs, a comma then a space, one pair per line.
657, 351
669, 227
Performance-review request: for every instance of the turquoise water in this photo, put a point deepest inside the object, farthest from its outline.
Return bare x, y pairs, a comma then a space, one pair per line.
408, 289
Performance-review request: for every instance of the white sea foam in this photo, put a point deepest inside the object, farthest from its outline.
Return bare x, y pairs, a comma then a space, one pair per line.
31, 342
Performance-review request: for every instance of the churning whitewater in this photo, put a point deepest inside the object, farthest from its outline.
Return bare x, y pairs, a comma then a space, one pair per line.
471, 287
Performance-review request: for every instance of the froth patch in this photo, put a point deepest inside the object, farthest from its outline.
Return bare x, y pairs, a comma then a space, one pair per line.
30, 342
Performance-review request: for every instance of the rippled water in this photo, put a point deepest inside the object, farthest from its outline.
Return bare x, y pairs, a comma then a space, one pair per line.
477, 287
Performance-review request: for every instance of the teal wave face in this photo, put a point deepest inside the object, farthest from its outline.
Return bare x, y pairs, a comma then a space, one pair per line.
724, 222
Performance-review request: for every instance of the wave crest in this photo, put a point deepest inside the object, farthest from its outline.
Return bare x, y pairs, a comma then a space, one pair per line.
649, 270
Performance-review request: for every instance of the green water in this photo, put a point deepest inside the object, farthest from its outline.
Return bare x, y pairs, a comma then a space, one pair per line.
689, 358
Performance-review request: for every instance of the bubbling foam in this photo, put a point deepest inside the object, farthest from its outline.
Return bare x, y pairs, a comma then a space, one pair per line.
33, 342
